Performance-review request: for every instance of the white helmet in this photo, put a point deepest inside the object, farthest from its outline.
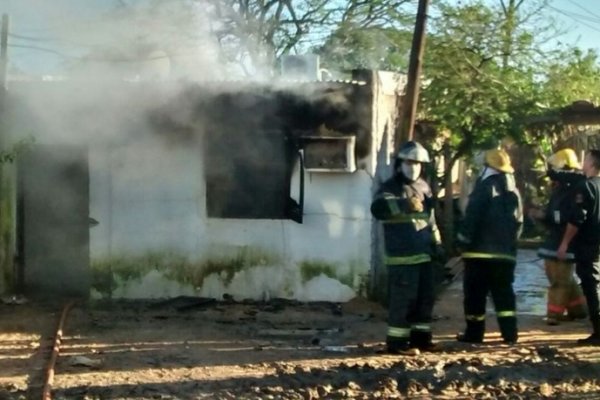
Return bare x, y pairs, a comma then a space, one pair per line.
413, 151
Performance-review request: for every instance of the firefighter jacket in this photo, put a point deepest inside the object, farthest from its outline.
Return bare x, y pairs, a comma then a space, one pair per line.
493, 219
406, 210
566, 177
558, 211
586, 216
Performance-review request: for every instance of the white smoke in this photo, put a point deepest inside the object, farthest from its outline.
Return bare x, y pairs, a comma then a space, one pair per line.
147, 40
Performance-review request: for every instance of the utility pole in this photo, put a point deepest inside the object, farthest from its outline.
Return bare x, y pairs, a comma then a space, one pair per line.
405, 129
4, 51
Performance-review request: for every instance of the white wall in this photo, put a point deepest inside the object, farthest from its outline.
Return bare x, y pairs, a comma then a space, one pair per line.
387, 88
151, 200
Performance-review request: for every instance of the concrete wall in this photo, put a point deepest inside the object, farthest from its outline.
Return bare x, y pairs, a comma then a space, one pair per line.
155, 240
387, 88
7, 226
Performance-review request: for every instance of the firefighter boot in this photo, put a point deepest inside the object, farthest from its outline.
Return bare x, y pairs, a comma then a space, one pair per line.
508, 329
396, 346
577, 311
594, 338
576, 307
422, 340
473, 333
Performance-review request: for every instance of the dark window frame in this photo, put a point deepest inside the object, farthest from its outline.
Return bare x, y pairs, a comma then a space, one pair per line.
248, 175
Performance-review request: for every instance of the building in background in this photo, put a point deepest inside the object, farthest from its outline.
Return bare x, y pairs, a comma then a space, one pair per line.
151, 190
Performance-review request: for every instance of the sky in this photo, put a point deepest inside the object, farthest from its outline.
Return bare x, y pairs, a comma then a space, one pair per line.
36, 27
36, 24
581, 20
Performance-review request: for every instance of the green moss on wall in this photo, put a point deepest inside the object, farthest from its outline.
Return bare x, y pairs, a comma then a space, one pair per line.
347, 279
310, 269
225, 266
7, 227
107, 274
102, 279
354, 277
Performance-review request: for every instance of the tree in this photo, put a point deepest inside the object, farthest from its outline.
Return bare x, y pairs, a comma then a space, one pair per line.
370, 48
521, 17
574, 76
370, 34
363, 30
251, 35
255, 33
482, 66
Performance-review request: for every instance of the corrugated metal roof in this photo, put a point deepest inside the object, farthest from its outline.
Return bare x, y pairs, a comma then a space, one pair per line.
282, 83
343, 81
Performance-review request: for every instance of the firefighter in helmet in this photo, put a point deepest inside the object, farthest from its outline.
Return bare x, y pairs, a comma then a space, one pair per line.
564, 294
582, 237
404, 205
488, 240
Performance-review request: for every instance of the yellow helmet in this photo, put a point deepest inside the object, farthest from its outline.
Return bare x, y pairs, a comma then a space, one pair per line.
565, 158
499, 159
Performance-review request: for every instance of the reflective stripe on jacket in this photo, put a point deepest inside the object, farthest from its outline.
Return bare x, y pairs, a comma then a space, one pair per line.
406, 210
492, 220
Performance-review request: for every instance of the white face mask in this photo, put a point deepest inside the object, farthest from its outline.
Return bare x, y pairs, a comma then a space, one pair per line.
411, 171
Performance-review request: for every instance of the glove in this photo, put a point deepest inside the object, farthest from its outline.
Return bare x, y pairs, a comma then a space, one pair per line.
459, 247
415, 204
439, 252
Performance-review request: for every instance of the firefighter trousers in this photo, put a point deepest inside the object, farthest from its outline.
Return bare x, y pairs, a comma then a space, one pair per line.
481, 277
564, 294
411, 298
589, 274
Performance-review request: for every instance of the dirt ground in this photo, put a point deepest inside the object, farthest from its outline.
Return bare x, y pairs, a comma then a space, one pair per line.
193, 349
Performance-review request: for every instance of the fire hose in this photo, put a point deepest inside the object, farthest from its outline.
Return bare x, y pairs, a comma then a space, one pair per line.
49, 377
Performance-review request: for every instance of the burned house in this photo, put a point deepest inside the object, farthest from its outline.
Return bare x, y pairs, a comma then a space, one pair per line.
146, 190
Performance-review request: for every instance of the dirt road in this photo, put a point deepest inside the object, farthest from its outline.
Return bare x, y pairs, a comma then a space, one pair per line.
281, 350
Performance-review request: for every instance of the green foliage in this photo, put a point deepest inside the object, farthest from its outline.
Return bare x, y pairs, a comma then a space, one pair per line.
312, 268
369, 48
10, 154
108, 273
248, 34
488, 70
574, 76
484, 72
472, 90
7, 226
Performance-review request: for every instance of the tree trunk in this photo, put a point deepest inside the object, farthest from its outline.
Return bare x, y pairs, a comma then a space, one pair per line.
448, 225
510, 12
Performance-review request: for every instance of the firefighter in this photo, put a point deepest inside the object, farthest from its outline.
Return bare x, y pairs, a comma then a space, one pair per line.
564, 293
405, 207
583, 232
488, 241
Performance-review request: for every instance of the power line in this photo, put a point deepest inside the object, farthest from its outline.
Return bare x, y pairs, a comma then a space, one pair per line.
51, 39
571, 14
38, 48
37, 44
60, 25
584, 9
94, 58
566, 14
29, 38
